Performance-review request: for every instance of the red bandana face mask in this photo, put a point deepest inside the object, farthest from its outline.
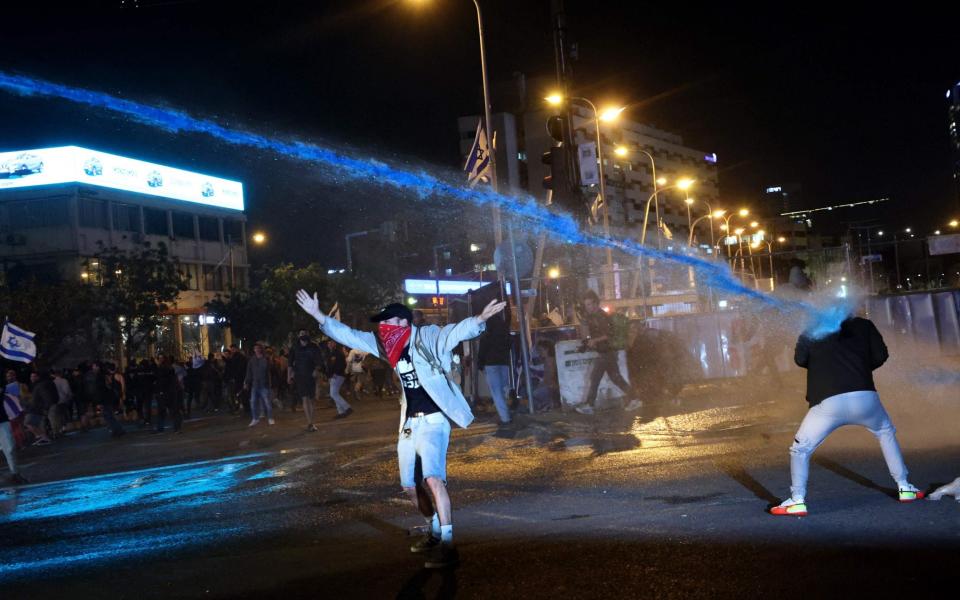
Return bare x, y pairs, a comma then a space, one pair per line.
394, 338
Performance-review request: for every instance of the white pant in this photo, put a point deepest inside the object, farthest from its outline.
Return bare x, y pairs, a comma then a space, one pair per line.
8, 445
852, 408
335, 382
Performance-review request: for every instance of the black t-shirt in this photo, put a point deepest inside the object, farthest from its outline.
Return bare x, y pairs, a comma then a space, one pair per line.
418, 400
599, 324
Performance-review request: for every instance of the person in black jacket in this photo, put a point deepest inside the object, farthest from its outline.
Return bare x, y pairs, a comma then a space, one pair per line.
336, 370
493, 357
841, 391
304, 359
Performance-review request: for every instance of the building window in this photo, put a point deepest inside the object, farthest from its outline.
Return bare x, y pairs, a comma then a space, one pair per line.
126, 217
233, 231
209, 229
191, 273
212, 278
34, 214
183, 226
93, 213
155, 221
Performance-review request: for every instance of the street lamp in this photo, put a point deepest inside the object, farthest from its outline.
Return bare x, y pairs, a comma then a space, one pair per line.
683, 184
607, 115
954, 223
711, 214
259, 238
743, 212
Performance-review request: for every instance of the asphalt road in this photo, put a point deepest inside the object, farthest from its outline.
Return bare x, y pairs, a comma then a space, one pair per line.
667, 503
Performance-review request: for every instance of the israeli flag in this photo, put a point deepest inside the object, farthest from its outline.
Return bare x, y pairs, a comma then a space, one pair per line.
477, 166
17, 344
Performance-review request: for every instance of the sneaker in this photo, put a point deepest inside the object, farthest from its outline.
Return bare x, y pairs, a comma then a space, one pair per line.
633, 405
344, 414
271, 422
909, 493
790, 508
425, 544
442, 556
584, 409
311, 427
253, 422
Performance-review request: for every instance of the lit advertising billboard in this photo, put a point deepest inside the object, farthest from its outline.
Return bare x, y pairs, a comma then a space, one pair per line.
71, 164
447, 286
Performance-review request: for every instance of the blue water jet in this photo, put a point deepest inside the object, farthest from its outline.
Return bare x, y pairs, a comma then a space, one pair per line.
523, 207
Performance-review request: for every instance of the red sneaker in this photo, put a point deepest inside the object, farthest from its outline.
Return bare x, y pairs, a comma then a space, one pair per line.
790, 508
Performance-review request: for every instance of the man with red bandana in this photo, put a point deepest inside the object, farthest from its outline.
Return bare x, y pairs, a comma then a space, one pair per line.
422, 357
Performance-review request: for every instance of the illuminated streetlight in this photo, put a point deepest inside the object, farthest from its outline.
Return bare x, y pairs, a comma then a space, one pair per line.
611, 114
621, 151
743, 212
685, 184
553, 273
738, 231
908, 230
689, 200
662, 181
719, 213
554, 99
954, 223
754, 224
608, 115
937, 232
781, 239
880, 233
411, 300
259, 238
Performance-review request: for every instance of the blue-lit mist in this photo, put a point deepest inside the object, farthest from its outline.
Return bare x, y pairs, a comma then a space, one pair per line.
525, 209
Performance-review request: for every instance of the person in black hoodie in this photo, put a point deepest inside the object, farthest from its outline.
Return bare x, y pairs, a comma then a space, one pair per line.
841, 391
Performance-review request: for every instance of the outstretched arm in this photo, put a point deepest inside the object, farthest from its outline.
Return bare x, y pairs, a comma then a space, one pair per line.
469, 328
351, 338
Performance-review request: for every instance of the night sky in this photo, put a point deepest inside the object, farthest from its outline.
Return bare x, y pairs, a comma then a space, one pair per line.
848, 104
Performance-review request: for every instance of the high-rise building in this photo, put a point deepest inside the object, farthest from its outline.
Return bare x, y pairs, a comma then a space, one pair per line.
780, 198
522, 140
953, 112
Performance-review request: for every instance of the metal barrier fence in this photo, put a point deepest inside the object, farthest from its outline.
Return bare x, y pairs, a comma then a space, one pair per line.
927, 321
724, 344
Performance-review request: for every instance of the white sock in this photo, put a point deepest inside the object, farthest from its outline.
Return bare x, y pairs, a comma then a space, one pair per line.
446, 534
435, 525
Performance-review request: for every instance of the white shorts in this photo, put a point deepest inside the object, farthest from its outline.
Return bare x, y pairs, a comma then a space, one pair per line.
424, 440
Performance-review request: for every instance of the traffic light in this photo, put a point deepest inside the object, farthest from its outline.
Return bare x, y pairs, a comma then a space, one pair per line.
557, 160
557, 179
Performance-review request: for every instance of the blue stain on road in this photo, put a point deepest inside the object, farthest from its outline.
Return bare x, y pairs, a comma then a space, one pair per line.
115, 490
93, 520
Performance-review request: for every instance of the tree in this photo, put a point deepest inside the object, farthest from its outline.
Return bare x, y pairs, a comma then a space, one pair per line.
58, 313
250, 315
132, 289
268, 310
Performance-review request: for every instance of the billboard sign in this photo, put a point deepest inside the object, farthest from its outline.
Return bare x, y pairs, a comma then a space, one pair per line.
447, 286
72, 164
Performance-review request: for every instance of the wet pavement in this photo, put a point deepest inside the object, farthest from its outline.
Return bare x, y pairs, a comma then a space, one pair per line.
667, 502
